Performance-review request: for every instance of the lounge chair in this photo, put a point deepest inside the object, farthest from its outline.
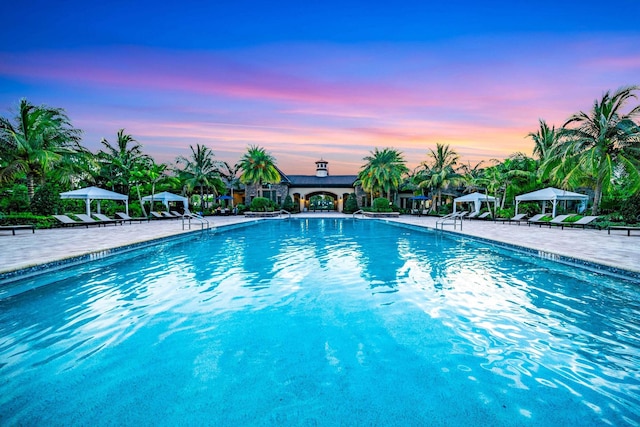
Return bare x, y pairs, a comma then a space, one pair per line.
158, 215
66, 221
536, 219
555, 221
168, 214
484, 215
126, 217
105, 219
585, 221
473, 215
13, 228
517, 218
88, 220
177, 214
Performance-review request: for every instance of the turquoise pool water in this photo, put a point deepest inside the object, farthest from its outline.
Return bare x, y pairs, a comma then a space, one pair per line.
321, 322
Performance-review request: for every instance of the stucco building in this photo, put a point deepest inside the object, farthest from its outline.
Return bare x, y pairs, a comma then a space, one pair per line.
332, 190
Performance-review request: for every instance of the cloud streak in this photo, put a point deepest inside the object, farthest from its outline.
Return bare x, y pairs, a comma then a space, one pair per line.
482, 95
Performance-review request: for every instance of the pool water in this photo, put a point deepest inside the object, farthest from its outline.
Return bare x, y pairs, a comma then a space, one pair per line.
321, 322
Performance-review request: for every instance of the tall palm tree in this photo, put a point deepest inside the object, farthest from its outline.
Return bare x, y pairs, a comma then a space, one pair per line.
200, 170
258, 167
383, 171
41, 138
440, 171
545, 139
120, 160
598, 144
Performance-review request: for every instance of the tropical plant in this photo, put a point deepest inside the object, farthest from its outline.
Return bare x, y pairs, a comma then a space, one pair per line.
439, 172
544, 140
200, 171
39, 140
120, 161
258, 167
593, 146
383, 172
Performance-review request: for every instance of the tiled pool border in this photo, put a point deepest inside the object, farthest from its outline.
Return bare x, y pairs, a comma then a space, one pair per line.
563, 259
9, 277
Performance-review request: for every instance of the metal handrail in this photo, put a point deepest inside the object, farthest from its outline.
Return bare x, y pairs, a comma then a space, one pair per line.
446, 220
287, 212
359, 211
195, 217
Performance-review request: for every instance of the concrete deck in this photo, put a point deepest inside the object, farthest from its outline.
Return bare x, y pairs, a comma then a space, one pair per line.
26, 249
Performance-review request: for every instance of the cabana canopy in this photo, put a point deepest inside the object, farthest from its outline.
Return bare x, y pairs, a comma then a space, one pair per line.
166, 197
97, 194
553, 195
475, 198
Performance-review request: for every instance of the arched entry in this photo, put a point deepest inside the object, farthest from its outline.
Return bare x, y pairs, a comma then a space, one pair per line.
321, 201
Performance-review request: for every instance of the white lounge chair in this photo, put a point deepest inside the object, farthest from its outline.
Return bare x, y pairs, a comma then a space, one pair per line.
126, 217
106, 220
585, 221
536, 219
555, 221
67, 221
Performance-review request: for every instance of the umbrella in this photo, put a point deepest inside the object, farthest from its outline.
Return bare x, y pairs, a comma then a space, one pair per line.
419, 198
224, 198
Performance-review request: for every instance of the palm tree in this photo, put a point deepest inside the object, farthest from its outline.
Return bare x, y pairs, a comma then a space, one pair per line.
258, 167
598, 144
41, 138
544, 139
119, 161
383, 171
230, 176
440, 171
200, 170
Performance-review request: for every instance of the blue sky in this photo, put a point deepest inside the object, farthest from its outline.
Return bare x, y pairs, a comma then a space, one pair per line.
325, 79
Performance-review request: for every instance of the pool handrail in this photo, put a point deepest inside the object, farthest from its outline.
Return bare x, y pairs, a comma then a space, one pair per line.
359, 211
189, 216
286, 212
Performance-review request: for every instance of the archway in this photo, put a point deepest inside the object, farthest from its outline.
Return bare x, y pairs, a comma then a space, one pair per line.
322, 201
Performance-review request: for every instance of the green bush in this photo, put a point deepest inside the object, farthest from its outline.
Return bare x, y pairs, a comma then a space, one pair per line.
261, 204
351, 204
381, 204
288, 204
15, 199
46, 200
630, 209
27, 218
530, 209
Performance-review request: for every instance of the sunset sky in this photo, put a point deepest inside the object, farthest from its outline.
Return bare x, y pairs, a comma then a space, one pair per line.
309, 80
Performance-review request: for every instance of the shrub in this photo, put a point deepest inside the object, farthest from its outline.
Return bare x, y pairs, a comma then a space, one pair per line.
351, 204
288, 204
28, 218
46, 200
381, 204
630, 209
530, 209
260, 204
17, 199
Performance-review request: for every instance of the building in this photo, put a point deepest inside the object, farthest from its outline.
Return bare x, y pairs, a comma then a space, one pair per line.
321, 191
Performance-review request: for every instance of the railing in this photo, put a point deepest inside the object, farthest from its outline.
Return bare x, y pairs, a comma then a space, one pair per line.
286, 212
359, 211
191, 216
449, 219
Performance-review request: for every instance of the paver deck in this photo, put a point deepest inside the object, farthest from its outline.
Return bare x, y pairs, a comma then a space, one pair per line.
596, 246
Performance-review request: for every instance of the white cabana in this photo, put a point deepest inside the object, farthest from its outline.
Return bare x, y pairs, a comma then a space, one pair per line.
165, 197
94, 193
475, 198
554, 195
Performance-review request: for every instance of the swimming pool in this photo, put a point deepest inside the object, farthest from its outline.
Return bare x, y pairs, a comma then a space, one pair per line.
321, 322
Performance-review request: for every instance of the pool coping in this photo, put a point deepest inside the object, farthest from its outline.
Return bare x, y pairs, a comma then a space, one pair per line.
618, 272
8, 277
